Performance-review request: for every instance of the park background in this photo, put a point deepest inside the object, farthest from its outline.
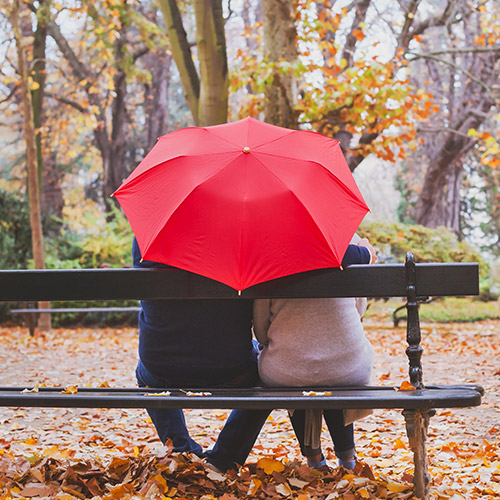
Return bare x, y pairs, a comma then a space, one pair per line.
409, 88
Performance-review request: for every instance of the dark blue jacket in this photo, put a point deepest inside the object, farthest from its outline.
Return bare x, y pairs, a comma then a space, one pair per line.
206, 341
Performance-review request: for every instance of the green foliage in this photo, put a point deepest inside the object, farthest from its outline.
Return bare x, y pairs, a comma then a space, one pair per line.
107, 243
63, 251
15, 232
95, 243
393, 240
440, 310
459, 309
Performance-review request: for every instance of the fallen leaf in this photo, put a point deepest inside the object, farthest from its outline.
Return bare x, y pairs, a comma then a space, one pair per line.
316, 393
269, 465
406, 386
297, 483
70, 389
254, 486
397, 487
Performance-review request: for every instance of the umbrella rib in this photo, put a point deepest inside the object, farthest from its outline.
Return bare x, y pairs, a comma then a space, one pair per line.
302, 204
166, 219
133, 181
344, 186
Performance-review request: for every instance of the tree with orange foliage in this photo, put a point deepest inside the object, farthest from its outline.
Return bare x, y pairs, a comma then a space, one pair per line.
367, 91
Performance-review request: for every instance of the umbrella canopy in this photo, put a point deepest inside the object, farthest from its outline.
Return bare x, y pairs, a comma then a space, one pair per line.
243, 202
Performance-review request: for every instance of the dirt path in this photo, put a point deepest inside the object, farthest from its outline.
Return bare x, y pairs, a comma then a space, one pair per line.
463, 445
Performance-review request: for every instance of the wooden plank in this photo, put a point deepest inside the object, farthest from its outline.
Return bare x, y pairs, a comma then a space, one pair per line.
252, 398
124, 284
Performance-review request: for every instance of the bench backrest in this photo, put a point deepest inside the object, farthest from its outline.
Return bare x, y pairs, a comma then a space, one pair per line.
385, 280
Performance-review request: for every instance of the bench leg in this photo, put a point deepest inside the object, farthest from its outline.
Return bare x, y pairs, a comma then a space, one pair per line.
417, 422
31, 322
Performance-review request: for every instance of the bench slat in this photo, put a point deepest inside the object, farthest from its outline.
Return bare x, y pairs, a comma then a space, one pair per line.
251, 398
123, 284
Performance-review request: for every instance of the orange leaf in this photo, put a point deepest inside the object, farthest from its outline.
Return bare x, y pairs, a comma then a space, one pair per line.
269, 465
406, 386
70, 389
399, 444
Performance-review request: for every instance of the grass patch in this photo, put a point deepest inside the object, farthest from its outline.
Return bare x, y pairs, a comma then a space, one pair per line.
445, 310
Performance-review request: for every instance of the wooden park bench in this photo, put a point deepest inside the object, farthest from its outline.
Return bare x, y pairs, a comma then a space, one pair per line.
32, 313
408, 280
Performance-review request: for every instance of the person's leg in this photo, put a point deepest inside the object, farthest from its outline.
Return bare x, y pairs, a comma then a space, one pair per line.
314, 456
342, 437
236, 439
169, 423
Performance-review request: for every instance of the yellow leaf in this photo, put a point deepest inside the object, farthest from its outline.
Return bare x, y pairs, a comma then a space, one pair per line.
397, 487
363, 493
343, 63
254, 486
70, 389
472, 132
159, 479
398, 444
269, 465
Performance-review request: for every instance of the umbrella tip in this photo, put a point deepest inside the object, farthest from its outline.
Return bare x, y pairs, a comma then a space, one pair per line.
341, 268
239, 293
142, 260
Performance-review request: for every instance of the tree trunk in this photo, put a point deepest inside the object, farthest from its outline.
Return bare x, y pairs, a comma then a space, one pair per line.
280, 37
207, 92
31, 158
156, 97
439, 199
51, 197
51, 201
181, 52
214, 81
439, 202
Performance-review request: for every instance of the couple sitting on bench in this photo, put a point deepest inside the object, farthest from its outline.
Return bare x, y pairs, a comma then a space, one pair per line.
207, 342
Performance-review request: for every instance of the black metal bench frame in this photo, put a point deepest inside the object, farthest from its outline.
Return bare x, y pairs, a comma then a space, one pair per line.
408, 280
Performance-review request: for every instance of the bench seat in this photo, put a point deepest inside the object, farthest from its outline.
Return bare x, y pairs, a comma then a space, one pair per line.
247, 398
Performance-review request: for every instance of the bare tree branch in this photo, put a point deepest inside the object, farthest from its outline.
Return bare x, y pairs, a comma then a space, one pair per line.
445, 130
458, 51
457, 67
69, 102
350, 43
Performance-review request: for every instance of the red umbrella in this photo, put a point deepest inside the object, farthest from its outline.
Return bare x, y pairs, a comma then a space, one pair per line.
243, 202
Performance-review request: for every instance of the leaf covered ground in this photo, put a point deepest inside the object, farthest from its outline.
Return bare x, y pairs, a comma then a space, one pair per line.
110, 454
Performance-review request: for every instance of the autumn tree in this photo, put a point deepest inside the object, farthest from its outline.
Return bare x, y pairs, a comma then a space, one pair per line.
100, 81
357, 99
461, 76
376, 102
